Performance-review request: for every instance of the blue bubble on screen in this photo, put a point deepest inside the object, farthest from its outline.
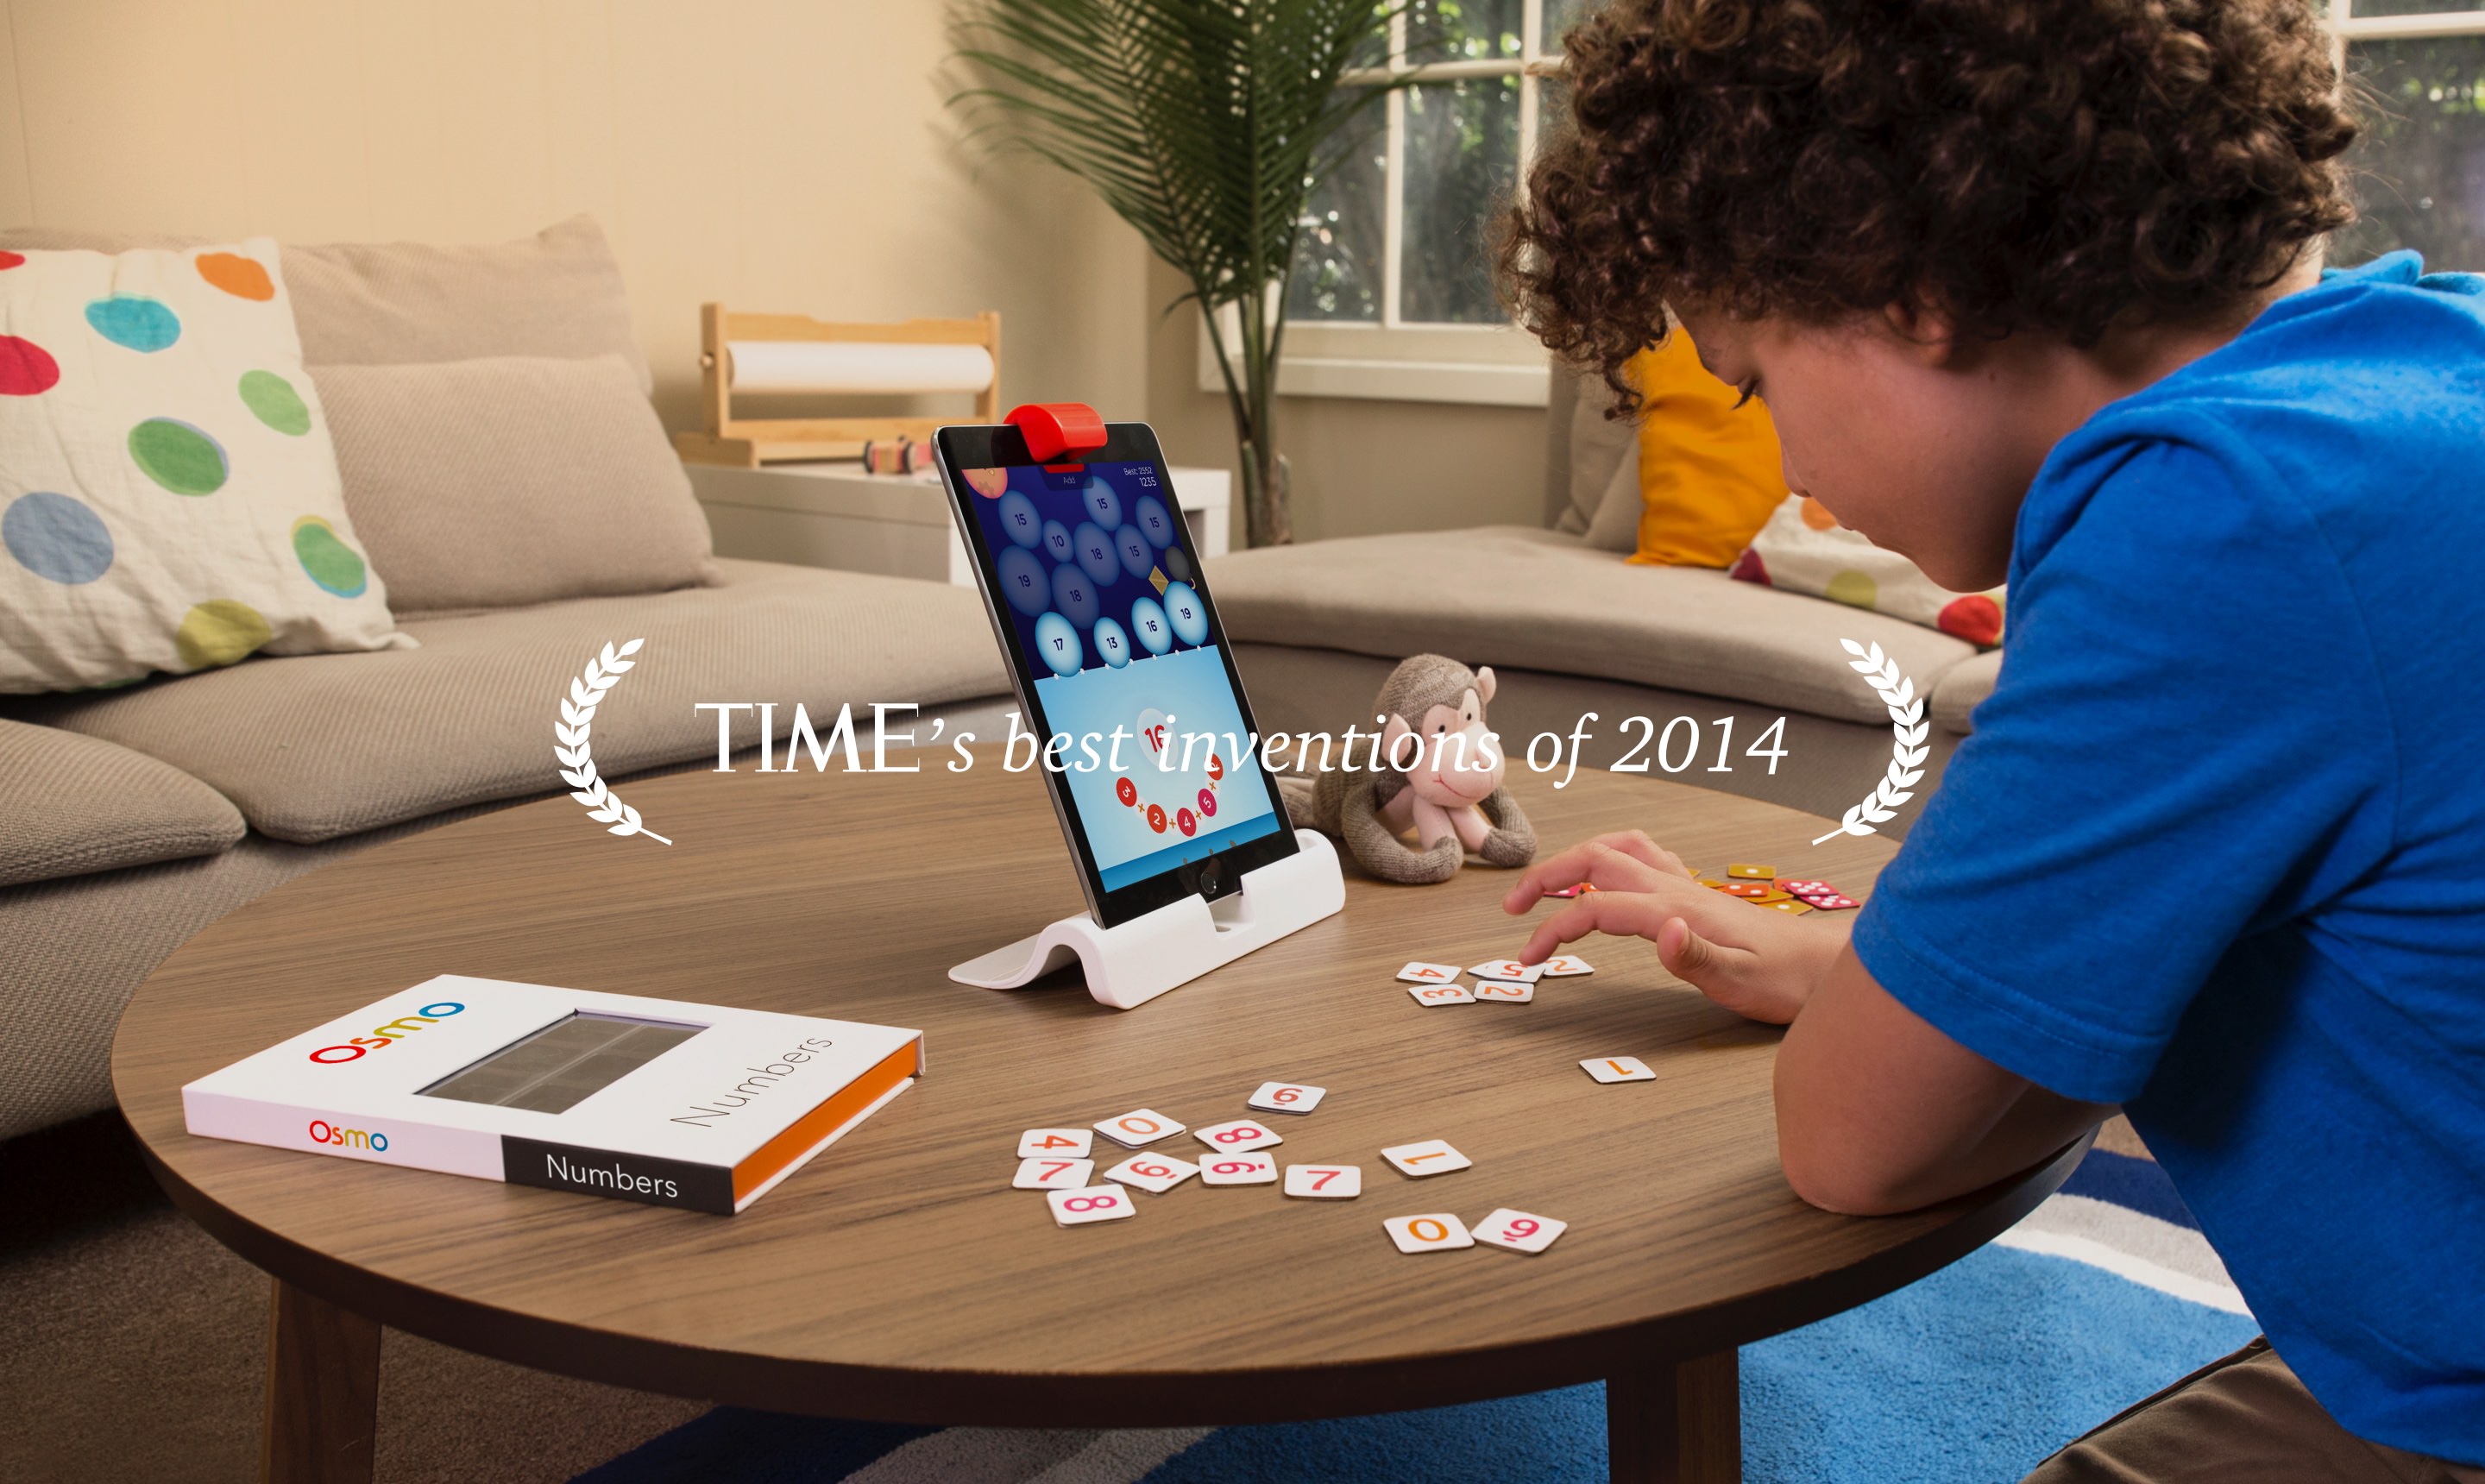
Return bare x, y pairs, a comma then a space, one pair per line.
1095, 552
1056, 541
1177, 565
1103, 506
1153, 521
1111, 643
1074, 595
1020, 574
1018, 519
1058, 643
1150, 626
1137, 555
1188, 614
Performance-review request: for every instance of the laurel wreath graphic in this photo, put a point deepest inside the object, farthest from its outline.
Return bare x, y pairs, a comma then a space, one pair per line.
1907, 753
587, 692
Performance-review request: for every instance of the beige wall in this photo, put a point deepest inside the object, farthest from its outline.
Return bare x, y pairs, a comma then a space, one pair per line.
778, 155
782, 154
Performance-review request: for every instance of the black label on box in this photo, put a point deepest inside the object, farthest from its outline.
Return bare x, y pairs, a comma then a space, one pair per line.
658, 1182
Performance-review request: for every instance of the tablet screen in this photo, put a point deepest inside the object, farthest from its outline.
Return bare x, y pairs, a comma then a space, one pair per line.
1094, 570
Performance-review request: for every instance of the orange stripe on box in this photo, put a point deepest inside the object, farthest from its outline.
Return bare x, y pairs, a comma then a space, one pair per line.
822, 1121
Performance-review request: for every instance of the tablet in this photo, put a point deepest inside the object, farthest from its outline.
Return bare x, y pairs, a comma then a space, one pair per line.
1120, 666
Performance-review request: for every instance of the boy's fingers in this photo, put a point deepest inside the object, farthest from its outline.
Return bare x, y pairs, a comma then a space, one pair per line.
1622, 914
1600, 864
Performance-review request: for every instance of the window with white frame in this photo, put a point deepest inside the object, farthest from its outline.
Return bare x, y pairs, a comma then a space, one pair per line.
2420, 163
1391, 293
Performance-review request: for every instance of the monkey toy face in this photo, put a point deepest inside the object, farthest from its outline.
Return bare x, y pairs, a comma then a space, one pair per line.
1462, 762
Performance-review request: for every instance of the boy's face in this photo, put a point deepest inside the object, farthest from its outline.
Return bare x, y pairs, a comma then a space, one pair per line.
1916, 447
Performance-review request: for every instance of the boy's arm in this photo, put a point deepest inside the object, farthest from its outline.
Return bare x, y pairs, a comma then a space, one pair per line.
1878, 1111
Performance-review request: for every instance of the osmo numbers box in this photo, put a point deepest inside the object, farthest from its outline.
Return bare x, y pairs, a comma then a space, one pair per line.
656, 1100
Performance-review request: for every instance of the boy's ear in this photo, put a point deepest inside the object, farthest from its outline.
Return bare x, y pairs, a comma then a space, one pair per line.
1931, 336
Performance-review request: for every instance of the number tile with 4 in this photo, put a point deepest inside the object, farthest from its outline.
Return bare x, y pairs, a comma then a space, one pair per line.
1055, 1144
1428, 974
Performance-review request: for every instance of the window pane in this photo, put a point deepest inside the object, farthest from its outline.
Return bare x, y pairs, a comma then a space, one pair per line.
1466, 30
1337, 254
2420, 163
1561, 15
1461, 162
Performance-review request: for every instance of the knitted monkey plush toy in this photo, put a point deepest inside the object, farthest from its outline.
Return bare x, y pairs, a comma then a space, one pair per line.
1447, 793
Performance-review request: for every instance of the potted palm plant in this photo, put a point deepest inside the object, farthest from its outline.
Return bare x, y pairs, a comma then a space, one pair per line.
1206, 124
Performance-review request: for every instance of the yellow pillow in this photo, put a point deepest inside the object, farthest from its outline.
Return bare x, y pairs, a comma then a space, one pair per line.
1710, 473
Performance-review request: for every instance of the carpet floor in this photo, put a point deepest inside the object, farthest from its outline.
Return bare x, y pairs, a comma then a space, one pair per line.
136, 1349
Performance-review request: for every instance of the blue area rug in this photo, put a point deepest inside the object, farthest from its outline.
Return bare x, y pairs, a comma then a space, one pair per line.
1974, 1375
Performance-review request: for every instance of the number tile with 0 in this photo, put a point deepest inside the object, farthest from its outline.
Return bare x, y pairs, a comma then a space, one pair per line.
1137, 1128
1437, 1232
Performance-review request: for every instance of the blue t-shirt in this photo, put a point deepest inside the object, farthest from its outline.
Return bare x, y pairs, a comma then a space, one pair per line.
2216, 849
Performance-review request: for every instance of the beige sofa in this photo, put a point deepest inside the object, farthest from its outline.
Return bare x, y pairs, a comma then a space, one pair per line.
1571, 627
130, 820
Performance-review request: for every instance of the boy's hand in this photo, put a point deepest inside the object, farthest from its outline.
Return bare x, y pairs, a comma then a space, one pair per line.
1759, 964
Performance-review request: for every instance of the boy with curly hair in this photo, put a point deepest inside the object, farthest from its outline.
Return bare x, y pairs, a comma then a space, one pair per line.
2034, 290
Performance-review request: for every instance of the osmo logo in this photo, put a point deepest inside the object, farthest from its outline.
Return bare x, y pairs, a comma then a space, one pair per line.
323, 1132
382, 1035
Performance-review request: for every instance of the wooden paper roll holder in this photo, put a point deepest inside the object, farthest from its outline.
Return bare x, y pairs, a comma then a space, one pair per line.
747, 443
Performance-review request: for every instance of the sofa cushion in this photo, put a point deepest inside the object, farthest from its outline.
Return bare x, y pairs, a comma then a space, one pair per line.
510, 479
556, 293
1541, 600
1961, 688
329, 745
76, 805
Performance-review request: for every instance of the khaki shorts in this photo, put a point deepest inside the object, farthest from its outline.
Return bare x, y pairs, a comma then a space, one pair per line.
2244, 1417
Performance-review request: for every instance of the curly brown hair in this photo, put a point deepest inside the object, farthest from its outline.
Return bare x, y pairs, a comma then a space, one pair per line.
2061, 166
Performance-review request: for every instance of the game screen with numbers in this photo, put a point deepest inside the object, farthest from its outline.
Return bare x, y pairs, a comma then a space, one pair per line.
1095, 565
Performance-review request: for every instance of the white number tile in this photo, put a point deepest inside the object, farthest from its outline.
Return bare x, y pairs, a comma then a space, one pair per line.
1563, 965
1286, 1097
1618, 1069
1058, 1144
1437, 1232
1432, 1157
1509, 969
1095, 1203
1238, 1170
1239, 1136
1504, 992
1155, 1173
1325, 1182
1428, 974
1137, 1128
1038, 1173
1440, 994
1519, 1230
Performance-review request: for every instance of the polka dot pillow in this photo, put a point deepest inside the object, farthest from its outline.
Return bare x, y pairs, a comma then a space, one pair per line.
168, 498
1805, 549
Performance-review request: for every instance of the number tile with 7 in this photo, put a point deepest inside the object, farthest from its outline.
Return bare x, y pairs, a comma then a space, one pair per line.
1325, 1182
1039, 1173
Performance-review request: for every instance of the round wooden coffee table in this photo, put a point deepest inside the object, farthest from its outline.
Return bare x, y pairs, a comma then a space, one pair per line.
897, 1278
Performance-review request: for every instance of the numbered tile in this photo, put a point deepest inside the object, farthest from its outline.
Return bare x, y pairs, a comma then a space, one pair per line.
1519, 1231
1772, 895
1238, 1170
1095, 1203
1239, 1136
1832, 901
1432, 1157
1440, 994
1746, 889
1438, 1232
1139, 1128
1752, 872
1508, 968
1428, 974
1802, 887
1618, 1069
1155, 1173
1568, 893
1286, 1097
1791, 905
1561, 966
1050, 1174
1056, 1144
1504, 992
1325, 1182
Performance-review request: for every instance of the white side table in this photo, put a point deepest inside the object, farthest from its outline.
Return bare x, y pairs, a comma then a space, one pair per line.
836, 516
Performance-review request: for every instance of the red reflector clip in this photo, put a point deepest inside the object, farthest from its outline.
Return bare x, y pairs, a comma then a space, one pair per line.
1054, 428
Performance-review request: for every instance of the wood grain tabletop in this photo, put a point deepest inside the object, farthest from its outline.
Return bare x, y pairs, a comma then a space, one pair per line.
897, 1276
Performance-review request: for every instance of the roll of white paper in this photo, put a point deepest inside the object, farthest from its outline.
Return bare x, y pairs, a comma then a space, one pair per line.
846, 366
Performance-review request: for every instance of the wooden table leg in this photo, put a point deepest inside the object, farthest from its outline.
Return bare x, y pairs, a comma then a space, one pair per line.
1676, 1424
323, 1391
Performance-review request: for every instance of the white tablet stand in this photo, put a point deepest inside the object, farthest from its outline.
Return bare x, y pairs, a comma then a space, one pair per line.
1129, 965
